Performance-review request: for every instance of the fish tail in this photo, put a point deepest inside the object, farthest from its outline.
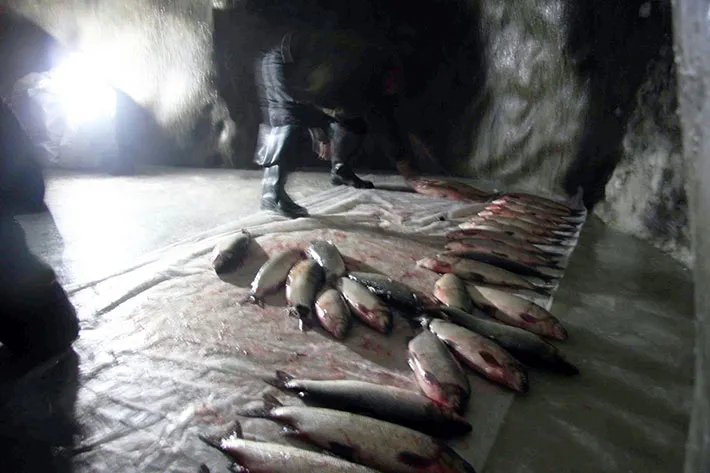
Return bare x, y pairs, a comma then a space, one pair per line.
215, 441
279, 380
251, 298
562, 366
212, 441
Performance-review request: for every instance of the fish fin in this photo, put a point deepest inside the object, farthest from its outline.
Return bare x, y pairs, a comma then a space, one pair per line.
562, 366
252, 299
453, 460
204, 469
414, 460
261, 411
211, 440
271, 402
489, 358
347, 452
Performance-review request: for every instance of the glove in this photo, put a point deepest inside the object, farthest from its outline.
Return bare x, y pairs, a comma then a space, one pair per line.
321, 143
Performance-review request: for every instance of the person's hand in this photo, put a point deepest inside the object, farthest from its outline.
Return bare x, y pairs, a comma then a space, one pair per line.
325, 150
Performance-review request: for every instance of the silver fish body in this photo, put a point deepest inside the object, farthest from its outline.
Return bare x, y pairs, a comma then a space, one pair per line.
543, 202
326, 254
388, 403
390, 291
523, 345
478, 235
272, 274
378, 444
492, 225
229, 253
265, 457
333, 312
451, 291
474, 271
516, 311
482, 355
500, 249
302, 284
543, 273
439, 375
365, 305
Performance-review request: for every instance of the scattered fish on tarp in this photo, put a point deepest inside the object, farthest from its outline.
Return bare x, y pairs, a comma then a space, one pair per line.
365, 440
481, 355
229, 253
451, 291
272, 274
326, 254
392, 292
302, 285
388, 403
365, 305
525, 346
439, 375
333, 312
517, 311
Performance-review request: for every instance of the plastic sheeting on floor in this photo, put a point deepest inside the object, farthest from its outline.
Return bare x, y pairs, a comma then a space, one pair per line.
167, 353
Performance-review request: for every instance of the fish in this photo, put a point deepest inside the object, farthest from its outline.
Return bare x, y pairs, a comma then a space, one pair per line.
451, 291
229, 253
482, 355
547, 205
439, 375
365, 305
501, 250
537, 212
333, 312
525, 346
326, 254
477, 235
265, 457
365, 440
533, 218
475, 271
519, 223
544, 273
516, 311
508, 230
446, 190
272, 274
302, 285
388, 403
392, 292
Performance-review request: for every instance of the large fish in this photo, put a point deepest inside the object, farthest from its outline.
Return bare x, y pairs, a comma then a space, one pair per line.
488, 235
388, 403
333, 312
500, 249
327, 255
542, 203
439, 375
272, 274
474, 271
302, 284
378, 444
516, 311
451, 291
392, 292
229, 253
365, 305
482, 355
447, 190
526, 270
533, 228
533, 218
489, 225
523, 345
263, 457
537, 212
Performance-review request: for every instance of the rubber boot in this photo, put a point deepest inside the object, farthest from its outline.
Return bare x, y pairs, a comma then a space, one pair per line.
346, 147
274, 197
37, 321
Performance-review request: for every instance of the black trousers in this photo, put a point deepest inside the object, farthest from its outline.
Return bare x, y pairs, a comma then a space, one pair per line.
287, 117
